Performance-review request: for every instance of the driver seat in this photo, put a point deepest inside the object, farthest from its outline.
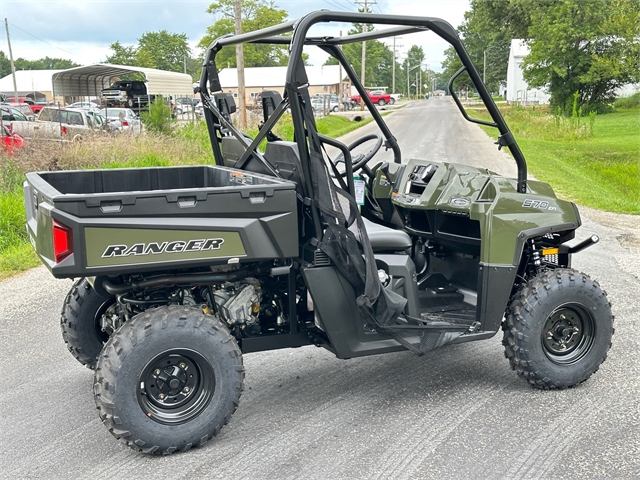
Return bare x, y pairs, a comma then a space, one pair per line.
384, 239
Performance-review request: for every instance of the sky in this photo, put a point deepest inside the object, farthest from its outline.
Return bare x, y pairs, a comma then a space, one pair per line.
82, 30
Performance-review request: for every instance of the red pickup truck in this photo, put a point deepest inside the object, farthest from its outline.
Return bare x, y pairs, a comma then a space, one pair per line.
35, 108
380, 99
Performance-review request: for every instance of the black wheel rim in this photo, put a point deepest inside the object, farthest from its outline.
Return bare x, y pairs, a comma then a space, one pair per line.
176, 386
568, 334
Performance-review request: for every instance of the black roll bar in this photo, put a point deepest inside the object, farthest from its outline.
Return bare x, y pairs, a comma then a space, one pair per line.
459, 103
439, 27
391, 141
409, 24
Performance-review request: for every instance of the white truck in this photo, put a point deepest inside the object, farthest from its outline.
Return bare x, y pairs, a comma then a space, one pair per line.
64, 124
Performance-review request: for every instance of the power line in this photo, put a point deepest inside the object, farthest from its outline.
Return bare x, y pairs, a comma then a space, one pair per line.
333, 3
44, 41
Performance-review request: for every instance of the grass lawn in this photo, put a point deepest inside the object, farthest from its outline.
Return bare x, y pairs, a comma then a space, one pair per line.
593, 162
190, 145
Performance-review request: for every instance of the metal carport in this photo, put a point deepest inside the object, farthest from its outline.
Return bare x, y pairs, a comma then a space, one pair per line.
89, 80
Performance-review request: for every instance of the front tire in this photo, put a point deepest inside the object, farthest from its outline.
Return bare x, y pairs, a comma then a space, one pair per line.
168, 380
80, 322
381, 102
558, 329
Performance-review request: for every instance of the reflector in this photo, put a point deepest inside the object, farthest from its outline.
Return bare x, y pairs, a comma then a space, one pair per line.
62, 241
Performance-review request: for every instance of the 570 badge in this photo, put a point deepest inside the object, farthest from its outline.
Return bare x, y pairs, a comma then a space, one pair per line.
537, 204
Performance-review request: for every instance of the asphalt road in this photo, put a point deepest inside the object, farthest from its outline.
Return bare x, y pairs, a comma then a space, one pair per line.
457, 412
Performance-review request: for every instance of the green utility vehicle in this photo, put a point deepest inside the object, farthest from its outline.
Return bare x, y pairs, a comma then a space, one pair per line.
182, 270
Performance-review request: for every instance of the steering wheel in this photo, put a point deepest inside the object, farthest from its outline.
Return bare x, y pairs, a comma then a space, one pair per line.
361, 160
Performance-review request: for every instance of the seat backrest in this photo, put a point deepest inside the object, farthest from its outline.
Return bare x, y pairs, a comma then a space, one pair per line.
270, 100
285, 157
232, 151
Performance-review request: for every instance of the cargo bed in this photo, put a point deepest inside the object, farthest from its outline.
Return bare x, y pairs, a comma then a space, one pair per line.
113, 221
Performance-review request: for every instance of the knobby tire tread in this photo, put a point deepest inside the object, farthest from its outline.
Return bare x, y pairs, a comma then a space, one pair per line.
143, 326
80, 295
517, 324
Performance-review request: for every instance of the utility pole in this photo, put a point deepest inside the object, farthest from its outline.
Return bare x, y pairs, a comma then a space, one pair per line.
408, 90
484, 69
13, 67
366, 4
237, 13
339, 81
184, 62
393, 76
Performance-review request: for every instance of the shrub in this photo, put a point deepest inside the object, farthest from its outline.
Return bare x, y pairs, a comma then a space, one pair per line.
628, 102
158, 118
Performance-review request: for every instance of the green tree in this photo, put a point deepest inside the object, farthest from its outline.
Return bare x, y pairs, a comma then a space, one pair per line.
585, 46
256, 14
5, 65
379, 58
122, 54
487, 30
46, 63
158, 118
161, 50
164, 50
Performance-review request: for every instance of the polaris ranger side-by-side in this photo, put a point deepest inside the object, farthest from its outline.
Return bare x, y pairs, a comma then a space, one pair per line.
183, 270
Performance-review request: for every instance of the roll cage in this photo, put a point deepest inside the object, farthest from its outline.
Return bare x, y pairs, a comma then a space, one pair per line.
294, 34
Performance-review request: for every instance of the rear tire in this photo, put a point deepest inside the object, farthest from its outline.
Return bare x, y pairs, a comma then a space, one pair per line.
80, 322
381, 102
558, 329
168, 380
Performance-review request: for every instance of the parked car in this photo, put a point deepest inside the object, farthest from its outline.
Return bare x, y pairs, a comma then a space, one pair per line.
395, 97
11, 141
120, 120
10, 114
380, 99
35, 107
199, 109
126, 93
61, 123
325, 102
23, 108
84, 106
185, 104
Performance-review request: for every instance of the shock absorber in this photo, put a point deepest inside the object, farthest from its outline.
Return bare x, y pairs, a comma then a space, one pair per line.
535, 259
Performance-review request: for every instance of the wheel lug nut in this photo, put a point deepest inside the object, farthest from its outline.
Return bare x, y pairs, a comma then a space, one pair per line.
156, 372
186, 390
183, 366
161, 396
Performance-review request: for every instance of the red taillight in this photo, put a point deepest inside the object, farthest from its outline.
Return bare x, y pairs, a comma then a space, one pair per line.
125, 123
63, 130
62, 241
